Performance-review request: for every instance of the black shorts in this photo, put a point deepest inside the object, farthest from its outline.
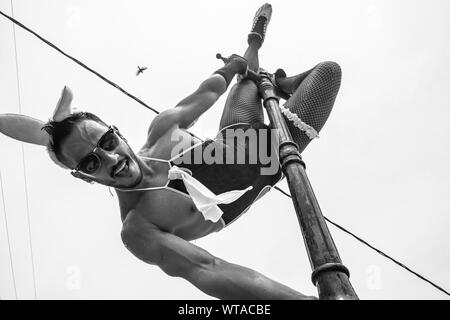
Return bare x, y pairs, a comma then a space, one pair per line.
253, 170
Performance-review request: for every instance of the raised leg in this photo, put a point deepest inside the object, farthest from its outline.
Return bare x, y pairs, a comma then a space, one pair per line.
243, 103
313, 96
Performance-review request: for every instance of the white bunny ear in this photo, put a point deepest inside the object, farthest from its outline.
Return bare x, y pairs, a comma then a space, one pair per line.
63, 108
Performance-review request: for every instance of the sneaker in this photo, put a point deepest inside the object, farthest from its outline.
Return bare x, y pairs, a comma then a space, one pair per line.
260, 22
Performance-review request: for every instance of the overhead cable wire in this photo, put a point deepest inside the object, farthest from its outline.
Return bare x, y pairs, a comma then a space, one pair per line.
377, 250
5, 216
79, 63
24, 163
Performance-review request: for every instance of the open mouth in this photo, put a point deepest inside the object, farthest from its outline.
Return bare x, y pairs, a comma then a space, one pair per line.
121, 168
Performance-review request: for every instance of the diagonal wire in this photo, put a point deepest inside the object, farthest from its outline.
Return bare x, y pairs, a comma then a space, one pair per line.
376, 250
7, 237
79, 63
84, 66
23, 161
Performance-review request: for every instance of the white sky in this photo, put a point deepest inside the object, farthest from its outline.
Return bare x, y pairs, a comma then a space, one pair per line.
380, 168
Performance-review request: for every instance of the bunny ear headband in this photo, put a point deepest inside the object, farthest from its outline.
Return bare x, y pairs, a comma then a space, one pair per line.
63, 107
62, 111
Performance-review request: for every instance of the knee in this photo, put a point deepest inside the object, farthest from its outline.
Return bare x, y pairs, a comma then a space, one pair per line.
330, 70
244, 88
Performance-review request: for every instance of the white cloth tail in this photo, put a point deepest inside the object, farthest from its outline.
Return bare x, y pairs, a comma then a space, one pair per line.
204, 199
307, 129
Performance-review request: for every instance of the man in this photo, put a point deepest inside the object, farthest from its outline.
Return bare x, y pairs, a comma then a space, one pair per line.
165, 201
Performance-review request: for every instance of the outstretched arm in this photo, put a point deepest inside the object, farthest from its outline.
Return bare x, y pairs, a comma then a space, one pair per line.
188, 110
23, 128
214, 276
210, 90
193, 106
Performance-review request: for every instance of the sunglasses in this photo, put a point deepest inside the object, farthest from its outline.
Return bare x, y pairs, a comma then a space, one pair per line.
109, 141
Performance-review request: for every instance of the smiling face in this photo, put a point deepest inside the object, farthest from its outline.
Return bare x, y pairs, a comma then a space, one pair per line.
112, 164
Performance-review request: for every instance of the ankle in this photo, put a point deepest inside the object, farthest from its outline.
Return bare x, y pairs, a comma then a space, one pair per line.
255, 40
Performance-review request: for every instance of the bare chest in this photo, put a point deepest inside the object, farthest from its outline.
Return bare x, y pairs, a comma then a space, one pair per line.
171, 211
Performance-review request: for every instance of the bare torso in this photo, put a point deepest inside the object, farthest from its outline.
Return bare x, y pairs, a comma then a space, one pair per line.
169, 210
